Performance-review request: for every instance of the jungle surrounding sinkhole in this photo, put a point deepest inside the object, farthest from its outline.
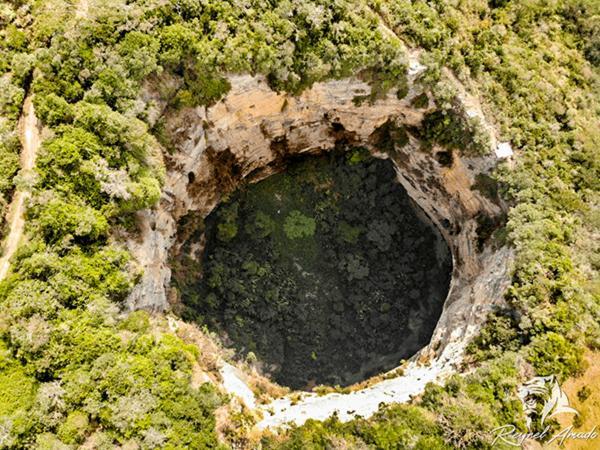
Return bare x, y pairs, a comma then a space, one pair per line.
327, 272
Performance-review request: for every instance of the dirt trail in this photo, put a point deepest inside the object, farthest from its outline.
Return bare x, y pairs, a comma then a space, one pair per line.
30, 140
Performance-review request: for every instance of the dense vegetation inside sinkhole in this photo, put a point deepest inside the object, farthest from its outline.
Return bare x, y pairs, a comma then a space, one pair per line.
327, 272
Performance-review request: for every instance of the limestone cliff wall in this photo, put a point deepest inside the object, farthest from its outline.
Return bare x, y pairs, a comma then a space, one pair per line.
248, 135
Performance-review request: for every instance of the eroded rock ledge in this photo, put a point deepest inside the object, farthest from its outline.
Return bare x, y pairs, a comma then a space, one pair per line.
247, 136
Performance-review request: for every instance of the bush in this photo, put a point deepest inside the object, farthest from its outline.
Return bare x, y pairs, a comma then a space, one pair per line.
11, 98
498, 335
58, 218
74, 429
584, 393
553, 354
52, 109
137, 321
9, 166
297, 225
264, 225
450, 129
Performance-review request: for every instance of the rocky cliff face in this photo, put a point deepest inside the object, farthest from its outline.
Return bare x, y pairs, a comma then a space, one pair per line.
248, 134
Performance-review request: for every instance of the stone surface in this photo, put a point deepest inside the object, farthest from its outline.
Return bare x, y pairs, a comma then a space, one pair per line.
249, 133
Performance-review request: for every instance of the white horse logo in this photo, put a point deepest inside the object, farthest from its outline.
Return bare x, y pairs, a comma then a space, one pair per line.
544, 389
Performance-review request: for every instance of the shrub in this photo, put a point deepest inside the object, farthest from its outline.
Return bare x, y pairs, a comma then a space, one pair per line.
11, 98
137, 321
584, 393
139, 52
75, 428
450, 129
227, 231
264, 225
52, 109
9, 165
498, 336
297, 225
58, 218
553, 354
348, 233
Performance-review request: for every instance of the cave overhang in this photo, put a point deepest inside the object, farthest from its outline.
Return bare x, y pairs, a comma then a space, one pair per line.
253, 128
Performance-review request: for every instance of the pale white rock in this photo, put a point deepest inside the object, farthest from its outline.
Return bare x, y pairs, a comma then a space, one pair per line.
365, 402
248, 134
234, 385
504, 150
415, 68
362, 403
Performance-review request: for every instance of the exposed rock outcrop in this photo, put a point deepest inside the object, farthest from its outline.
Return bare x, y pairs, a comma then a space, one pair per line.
249, 133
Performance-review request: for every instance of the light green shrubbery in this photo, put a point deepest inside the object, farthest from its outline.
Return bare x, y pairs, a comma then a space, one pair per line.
64, 347
298, 225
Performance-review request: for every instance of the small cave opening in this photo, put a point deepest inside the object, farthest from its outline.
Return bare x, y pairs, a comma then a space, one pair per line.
327, 272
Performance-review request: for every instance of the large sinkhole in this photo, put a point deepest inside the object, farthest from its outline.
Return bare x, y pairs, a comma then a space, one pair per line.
327, 272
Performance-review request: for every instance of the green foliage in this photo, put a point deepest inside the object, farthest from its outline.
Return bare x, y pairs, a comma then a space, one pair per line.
294, 45
17, 388
83, 370
136, 322
202, 88
263, 225
393, 427
499, 334
52, 109
228, 229
111, 127
467, 408
9, 165
420, 101
139, 53
298, 226
291, 245
15, 39
11, 98
17, 396
21, 68
389, 135
348, 233
552, 353
487, 185
584, 393
450, 129
583, 19
176, 42
59, 218
89, 359
357, 155
533, 64
75, 428
533, 82
540, 91
78, 163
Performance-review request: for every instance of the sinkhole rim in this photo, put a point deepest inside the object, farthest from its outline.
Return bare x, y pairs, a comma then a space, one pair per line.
424, 219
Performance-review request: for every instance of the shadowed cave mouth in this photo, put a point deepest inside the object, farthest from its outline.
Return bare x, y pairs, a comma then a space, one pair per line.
327, 273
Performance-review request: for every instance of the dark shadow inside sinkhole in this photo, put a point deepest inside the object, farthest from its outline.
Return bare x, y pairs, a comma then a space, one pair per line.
327, 272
